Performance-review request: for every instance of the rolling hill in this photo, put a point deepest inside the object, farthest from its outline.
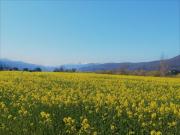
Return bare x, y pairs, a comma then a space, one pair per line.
20, 65
173, 63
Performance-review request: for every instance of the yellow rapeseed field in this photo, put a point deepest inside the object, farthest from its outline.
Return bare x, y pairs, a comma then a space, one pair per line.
88, 104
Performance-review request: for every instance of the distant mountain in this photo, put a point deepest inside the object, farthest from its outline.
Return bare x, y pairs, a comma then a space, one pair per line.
20, 65
78, 66
71, 66
173, 63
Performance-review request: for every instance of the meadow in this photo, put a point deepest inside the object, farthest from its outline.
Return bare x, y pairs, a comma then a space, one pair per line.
45, 103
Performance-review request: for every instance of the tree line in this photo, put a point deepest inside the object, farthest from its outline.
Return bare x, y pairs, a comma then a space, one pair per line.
37, 69
62, 69
163, 70
6, 68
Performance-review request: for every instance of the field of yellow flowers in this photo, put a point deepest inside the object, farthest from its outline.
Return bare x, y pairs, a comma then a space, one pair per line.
88, 104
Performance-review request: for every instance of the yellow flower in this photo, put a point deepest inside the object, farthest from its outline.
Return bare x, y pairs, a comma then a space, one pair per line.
153, 132
153, 115
144, 101
10, 116
143, 124
70, 125
131, 133
23, 111
85, 125
45, 115
153, 105
158, 133
172, 124
113, 127
46, 118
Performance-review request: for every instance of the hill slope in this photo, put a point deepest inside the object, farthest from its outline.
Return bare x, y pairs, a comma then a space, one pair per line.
173, 63
20, 65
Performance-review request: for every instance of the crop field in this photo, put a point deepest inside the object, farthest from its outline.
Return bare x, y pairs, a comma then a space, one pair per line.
45, 103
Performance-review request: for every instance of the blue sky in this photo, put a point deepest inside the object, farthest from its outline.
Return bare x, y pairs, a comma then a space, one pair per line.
60, 32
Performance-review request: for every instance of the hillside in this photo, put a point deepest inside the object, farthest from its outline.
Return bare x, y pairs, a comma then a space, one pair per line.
173, 63
20, 65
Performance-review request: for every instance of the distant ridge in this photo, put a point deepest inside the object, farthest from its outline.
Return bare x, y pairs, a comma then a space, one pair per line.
173, 63
20, 65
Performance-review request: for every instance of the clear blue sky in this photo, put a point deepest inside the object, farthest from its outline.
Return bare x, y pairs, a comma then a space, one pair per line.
61, 32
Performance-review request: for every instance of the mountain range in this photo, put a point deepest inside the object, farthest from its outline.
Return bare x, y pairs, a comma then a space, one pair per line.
173, 63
